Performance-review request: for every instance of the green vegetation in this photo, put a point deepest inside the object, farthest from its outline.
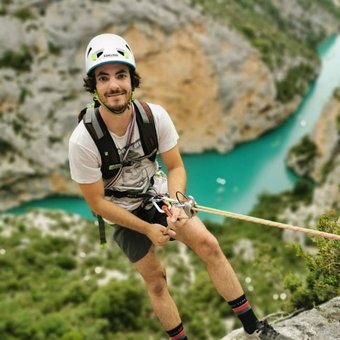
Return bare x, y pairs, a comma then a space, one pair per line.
305, 152
322, 281
56, 282
3, 4
263, 25
54, 139
326, 169
20, 61
54, 49
328, 5
49, 283
295, 83
24, 13
336, 93
5, 147
24, 92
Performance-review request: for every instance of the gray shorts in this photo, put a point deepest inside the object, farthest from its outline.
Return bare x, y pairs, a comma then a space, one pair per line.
134, 244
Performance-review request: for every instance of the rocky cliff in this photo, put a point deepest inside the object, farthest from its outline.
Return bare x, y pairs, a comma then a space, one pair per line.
320, 323
215, 84
323, 168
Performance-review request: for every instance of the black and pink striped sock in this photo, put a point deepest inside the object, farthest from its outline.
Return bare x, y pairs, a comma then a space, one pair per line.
243, 310
178, 333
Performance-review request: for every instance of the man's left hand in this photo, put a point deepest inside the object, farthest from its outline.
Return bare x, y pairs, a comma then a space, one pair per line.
178, 218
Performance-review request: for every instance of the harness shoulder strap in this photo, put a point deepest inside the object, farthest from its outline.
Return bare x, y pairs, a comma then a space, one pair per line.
147, 129
106, 146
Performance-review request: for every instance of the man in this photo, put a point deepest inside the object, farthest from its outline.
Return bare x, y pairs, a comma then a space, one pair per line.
112, 78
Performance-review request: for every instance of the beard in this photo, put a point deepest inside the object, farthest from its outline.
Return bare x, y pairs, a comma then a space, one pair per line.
118, 108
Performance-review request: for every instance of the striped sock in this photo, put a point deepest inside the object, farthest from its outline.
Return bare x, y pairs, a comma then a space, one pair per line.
178, 333
243, 310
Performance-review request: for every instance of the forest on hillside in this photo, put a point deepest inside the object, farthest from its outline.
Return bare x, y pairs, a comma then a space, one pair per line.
58, 283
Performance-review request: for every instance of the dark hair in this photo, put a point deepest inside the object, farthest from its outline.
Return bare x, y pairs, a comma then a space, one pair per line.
90, 81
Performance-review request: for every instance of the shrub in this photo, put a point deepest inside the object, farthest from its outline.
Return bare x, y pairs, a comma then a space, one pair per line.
66, 262
24, 13
305, 152
295, 83
336, 93
54, 49
121, 303
5, 147
323, 279
20, 61
53, 325
302, 191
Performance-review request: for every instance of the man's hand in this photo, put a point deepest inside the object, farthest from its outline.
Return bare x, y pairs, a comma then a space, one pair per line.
159, 235
178, 218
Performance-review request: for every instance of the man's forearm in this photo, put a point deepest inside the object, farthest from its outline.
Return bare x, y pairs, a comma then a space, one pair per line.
117, 215
177, 181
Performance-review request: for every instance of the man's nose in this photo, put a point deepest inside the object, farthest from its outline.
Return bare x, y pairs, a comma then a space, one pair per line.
113, 84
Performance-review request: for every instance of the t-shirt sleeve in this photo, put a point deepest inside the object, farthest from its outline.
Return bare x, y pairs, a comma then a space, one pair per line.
166, 131
83, 159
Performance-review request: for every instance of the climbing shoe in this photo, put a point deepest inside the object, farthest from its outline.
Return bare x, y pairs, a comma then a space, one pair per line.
266, 332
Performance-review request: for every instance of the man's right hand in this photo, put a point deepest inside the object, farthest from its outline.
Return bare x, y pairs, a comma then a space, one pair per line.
159, 235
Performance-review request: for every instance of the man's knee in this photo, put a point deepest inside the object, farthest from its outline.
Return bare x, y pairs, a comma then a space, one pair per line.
156, 283
209, 248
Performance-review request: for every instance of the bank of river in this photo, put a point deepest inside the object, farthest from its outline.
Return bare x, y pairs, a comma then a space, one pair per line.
233, 181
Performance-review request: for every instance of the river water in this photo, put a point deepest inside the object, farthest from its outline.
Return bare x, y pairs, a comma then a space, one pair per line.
233, 181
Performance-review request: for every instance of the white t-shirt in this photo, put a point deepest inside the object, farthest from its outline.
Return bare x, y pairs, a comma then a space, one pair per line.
85, 160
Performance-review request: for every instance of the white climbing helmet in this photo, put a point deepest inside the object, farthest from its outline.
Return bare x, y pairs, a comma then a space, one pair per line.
108, 48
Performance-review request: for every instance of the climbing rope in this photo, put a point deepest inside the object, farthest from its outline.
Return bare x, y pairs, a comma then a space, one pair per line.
269, 223
191, 208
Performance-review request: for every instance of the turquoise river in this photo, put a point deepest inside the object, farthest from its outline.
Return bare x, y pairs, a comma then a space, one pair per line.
233, 181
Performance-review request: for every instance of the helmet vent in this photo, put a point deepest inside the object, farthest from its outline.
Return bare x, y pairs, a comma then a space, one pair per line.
99, 54
88, 52
121, 52
127, 46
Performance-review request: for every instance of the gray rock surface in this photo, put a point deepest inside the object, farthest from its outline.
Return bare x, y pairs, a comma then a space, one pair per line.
213, 70
320, 323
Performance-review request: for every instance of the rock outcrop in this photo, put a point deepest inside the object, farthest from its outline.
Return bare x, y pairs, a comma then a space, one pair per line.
215, 85
325, 171
320, 323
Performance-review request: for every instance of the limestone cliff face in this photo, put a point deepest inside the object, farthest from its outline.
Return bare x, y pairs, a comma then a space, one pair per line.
188, 84
214, 84
327, 137
326, 168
